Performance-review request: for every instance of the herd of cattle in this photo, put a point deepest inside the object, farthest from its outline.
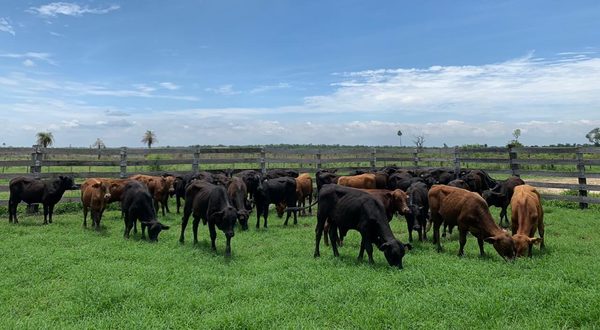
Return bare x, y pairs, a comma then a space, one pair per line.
365, 201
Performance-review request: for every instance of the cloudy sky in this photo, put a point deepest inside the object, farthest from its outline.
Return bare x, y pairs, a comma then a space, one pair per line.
260, 72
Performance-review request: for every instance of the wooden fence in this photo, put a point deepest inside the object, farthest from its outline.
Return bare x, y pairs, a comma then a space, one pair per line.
541, 167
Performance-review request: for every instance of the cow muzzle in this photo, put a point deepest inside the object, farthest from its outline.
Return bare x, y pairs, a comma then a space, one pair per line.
107, 196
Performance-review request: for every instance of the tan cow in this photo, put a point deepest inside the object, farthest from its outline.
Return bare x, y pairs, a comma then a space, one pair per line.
361, 181
527, 217
95, 196
158, 187
469, 211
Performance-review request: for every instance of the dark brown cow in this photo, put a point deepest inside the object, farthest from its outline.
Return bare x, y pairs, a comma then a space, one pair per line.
501, 195
527, 217
361, 181
94, 197
237, 193
470, 213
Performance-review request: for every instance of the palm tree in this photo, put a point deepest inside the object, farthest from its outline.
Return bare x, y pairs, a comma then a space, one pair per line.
45, 139
149, 138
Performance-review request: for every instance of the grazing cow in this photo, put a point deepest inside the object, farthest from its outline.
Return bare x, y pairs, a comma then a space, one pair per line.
158, 187
347, 208
237, 193
277, 173
210, 203
470, 213
324, 177
94, 196
363, 181
418, 204
137, 205
30, 190
527, 217
275, 191
501, 195
252, 179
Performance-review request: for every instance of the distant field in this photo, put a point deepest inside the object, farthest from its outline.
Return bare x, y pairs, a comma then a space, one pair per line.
64, 276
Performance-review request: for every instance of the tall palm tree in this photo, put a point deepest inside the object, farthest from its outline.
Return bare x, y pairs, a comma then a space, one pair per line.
45, 139
149, 138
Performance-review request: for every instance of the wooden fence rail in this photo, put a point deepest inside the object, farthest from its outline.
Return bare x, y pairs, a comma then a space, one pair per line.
530, 163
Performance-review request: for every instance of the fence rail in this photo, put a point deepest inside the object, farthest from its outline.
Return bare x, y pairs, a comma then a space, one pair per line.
530, 163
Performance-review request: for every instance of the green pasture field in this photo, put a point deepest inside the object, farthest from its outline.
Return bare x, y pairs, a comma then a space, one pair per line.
64, 276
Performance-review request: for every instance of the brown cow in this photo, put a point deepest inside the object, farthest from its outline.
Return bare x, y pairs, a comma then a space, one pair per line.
468, 211
304, 189
158, 187
361, 181
527, 216
94, 196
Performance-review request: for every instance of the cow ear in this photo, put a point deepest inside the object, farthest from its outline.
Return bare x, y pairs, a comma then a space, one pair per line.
407, 247
384, 246
535, 240
218, 214
164, 227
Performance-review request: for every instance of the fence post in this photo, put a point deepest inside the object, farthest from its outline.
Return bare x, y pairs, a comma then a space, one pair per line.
456, 162
581, 179
263, 161
319, 164
512, 160
373, 159
123, 163
416, 158
36, 161
196, 161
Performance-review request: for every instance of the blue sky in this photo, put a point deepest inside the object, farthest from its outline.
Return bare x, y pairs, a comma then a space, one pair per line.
259, 72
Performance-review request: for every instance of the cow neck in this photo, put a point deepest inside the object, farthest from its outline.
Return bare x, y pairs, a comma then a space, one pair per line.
487, 224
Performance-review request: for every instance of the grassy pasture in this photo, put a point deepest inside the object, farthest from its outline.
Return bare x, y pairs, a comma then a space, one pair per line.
64, 276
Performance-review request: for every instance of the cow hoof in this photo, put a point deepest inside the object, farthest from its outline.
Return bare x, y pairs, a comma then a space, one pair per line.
317, 255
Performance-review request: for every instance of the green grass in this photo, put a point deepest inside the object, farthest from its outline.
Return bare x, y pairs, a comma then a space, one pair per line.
64, 276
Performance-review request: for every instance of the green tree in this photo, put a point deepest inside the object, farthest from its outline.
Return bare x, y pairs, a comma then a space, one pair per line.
594, 136
149, 138
45, 139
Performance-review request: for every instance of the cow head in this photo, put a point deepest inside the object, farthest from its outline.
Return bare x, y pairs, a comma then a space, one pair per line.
225, 220
154, 228
400, 200
493, 198
67, 183
280, 207
243, 216
523, 243
394, 251
104, 189
504, 245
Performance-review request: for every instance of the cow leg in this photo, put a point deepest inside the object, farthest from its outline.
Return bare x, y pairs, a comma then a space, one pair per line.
409, 226
333, 238
228, 246
265, 215
45, 214
85, 213
287, 217
318, 233
310, 203
462, 239
502, 217
128, 225
184, 222
480, 242
258, 212
444, 233
326, 238
50, 212
213, 235
436, 236
369, 248
143, 230
195, 228
540, 231
362, 249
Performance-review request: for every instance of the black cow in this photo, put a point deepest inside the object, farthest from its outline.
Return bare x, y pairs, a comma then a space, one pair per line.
252, 179
440, 175
210, 203
323, 177
183, 181
237, 192
30, 190
277, 173
275, 191
137, 204
402, 180
501, 194
478, 180
346, 208
459, 183
418, 204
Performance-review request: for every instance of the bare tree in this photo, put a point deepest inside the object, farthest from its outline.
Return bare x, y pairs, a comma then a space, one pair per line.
419, 141
100, 145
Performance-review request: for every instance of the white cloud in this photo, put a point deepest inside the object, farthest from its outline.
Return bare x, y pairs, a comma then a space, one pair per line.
169, 85
223, 90
28, 63
45, 57
5, 26
68, 9
56, 34
266, 88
